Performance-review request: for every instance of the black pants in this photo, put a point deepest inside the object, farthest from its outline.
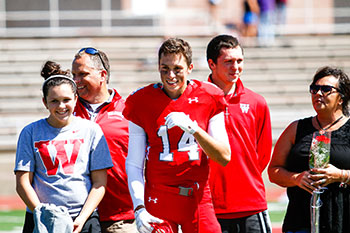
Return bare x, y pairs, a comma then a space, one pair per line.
92, 224
257, 223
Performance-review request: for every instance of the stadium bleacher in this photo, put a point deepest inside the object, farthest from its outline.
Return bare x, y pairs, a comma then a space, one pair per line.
280, 73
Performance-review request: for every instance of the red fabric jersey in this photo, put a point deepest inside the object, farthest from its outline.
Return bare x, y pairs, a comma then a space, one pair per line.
116, 203
174, 157
238, 188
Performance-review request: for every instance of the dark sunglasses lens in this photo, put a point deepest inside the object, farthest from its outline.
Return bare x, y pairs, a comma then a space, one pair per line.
314, 89
91, 51
326, 89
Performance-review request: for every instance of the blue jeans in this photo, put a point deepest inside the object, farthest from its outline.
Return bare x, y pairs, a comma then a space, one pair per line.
266, 28
92, 225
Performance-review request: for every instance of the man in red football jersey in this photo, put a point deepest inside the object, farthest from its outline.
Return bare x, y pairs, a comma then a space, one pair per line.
97, 103
174, 127
238, 189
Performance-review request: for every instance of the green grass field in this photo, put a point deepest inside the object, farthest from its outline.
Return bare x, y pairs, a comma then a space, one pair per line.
13, 220
276, 216
277, 211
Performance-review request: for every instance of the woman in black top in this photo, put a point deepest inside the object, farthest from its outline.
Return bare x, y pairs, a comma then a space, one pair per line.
289, 167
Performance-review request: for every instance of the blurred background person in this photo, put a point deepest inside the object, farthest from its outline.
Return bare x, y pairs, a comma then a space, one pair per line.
289, 167
266, 28
281, 11
214, 12
280, 15
250, 18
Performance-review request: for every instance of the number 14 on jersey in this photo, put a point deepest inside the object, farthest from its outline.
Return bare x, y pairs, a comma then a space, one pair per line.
187, 143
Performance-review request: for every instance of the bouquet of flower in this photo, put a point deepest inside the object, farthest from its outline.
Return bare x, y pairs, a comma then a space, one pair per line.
319, 158
320, 150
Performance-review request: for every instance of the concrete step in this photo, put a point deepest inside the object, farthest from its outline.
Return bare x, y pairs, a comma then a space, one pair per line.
24, 44
130, 54
280, 74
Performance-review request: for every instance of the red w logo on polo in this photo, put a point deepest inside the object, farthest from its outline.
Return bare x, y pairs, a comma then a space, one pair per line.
66, 152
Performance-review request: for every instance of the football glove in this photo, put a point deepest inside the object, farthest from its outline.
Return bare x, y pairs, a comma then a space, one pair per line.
181, 120
163, 227
144, 220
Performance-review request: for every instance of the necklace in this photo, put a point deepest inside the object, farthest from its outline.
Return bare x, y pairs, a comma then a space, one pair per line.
323, 130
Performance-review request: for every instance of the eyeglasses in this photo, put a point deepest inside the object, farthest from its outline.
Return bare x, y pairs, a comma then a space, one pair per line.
325, 89
93, 51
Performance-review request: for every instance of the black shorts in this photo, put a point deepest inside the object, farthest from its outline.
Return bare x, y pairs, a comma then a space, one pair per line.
257, 223
92, 224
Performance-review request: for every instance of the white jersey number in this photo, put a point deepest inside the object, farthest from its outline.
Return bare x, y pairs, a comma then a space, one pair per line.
186, 143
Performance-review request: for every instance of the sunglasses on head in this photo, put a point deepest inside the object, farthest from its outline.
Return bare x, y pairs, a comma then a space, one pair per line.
325, 89
93, 51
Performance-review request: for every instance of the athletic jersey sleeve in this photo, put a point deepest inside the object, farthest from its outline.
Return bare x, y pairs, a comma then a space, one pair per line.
135, 163
134, 107
217, 94
217, 128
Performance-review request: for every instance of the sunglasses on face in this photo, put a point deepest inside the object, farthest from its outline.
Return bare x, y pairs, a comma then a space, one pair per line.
93, 51
325, 89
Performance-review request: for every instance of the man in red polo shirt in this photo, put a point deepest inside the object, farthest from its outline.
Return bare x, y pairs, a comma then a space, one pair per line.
104, 106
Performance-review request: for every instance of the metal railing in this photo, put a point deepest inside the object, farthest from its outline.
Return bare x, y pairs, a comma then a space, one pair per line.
308, 20
303, 19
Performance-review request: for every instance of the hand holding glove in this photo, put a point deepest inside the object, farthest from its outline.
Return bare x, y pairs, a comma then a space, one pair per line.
143, 220
181, 120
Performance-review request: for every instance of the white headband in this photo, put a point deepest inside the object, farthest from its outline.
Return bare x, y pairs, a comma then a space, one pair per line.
59, 76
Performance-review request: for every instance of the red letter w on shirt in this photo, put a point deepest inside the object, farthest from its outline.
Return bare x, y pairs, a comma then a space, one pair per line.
57, 150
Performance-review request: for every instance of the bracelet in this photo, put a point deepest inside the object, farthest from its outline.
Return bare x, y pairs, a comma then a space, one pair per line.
344, 184
342, 175
348, 179
139, 207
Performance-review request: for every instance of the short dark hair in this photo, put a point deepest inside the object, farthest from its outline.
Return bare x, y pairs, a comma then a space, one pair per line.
217, 43
97, 61
176, 46
343, 83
